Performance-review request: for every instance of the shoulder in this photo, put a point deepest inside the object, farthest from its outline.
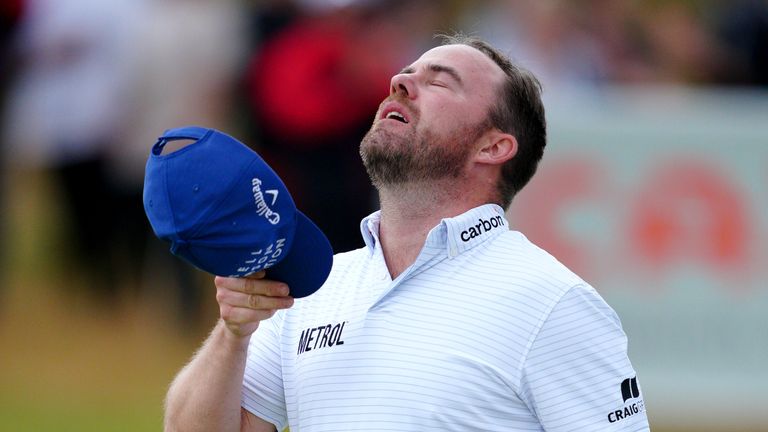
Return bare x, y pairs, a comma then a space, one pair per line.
517, 260
513, 280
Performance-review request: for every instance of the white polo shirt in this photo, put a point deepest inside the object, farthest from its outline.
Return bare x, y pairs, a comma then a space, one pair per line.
484, 332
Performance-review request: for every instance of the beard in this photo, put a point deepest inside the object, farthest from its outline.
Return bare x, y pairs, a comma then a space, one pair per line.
395, 159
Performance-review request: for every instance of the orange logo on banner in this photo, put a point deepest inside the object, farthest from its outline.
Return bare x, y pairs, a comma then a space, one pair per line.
688, 211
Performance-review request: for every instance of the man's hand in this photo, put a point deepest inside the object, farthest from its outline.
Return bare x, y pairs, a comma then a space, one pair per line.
205, 395
244, 302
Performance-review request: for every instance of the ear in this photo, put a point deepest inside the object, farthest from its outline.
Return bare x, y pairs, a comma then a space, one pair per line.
497, 148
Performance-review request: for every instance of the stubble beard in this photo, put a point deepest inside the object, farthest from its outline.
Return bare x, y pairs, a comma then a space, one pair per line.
399, 159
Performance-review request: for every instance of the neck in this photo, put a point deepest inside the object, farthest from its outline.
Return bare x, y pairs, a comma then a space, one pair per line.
410, 211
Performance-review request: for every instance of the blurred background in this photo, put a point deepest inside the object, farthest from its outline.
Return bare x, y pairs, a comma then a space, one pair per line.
654, 185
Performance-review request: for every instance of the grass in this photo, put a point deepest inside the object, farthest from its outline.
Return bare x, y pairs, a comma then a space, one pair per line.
66, 369
67, 363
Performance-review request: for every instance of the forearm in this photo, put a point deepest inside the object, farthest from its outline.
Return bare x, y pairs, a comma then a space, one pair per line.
205, 395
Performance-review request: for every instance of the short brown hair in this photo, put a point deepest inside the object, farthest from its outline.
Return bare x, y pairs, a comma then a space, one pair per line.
518, 111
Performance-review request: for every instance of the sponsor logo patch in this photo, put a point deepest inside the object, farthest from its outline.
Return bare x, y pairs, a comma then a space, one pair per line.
629, 392
482, 227
321, 337
262, 208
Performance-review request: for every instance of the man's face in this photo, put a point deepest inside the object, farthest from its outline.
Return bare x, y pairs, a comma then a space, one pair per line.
428, 127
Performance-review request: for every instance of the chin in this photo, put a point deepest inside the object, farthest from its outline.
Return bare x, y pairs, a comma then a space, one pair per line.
382, 138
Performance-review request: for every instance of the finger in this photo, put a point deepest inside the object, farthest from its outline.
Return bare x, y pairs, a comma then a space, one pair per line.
253, 286
265, 287
256, 301
258, 275
253, 301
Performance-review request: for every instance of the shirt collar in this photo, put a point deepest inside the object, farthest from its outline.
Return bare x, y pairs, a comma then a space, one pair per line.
369, 227
456, 234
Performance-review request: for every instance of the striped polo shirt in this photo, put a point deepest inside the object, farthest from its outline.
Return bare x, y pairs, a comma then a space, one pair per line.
484, 332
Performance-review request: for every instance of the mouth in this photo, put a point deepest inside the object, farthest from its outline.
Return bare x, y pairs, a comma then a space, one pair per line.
395, 115
393, 111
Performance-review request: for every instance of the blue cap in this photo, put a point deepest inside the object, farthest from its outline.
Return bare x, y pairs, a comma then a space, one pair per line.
224, 210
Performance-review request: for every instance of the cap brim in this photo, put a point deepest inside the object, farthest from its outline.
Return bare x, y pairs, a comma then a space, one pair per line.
309, 261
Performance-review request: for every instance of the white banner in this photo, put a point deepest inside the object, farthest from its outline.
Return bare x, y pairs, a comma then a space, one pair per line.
659, 198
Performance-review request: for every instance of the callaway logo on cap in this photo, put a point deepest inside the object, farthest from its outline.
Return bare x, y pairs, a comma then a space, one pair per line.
225, 210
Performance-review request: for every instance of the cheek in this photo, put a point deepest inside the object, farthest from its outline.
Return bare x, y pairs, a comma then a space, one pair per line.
447, 116
455, 120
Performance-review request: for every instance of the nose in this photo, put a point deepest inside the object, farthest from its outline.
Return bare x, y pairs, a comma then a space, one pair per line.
403, 85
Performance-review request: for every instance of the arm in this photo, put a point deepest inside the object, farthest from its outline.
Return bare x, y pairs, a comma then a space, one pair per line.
574, 371
206, 394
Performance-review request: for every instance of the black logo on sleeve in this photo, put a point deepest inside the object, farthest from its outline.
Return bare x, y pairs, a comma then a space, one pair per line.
629, 390
320, 337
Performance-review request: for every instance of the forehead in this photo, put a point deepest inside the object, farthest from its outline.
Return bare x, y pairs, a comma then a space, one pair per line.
473, 66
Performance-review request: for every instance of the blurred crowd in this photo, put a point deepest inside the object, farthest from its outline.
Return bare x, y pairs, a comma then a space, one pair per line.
88, 85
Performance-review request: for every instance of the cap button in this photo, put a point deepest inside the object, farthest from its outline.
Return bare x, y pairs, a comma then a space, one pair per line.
195, 188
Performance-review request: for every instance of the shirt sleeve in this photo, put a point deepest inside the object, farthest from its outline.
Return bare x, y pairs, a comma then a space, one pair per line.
263, 393
577, 376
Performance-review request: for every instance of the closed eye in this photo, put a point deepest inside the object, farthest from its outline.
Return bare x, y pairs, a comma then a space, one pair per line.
436, 70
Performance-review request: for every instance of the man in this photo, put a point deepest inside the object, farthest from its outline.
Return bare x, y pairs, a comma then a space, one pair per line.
446, 320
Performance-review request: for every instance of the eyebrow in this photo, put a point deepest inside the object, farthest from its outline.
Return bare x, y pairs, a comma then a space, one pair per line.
436, 68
